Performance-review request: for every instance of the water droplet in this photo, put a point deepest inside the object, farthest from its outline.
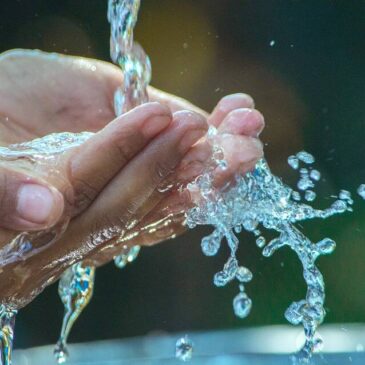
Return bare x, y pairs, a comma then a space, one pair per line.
242, 305
61, 353
296, 196
293, 162
339, 206
310, 195
211, 244
184, 349
261, 241
305, 183
305, 157
243, 274
361, 190
315, 175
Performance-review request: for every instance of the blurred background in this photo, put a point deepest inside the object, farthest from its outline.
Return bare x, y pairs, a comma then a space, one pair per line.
303, 62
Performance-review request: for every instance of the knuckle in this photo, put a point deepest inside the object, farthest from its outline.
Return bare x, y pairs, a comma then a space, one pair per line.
84, 194
123, 147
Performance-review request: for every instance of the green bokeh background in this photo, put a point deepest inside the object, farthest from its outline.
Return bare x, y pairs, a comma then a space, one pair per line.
310, 85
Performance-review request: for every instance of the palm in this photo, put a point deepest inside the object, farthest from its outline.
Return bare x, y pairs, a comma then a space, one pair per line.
53, 95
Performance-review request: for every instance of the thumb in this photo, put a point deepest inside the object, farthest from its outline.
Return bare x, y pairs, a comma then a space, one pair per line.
27, 203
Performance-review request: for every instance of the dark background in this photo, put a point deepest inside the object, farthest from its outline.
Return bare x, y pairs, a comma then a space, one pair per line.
310, 85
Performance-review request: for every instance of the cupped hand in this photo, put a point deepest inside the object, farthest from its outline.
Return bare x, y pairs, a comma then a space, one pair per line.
112, 188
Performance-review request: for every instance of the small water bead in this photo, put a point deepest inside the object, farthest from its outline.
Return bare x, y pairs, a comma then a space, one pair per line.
211, 244
127, 256
242, 305
261, 241
305, 157
61, 353
184, 349
305, 183
310, 195
344, 195
361, 190
315, 175
243, 274
293, 162
339, 206
304, 172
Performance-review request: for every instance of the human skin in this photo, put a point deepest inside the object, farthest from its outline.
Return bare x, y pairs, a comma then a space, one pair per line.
111, 189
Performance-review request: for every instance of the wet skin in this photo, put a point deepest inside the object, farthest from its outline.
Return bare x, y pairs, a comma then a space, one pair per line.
118, 188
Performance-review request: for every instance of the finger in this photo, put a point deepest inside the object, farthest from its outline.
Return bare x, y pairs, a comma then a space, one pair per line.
27, 203
228, 104
100, 158
164, 222
241, 154
243, 121
134, 191
173, 102
149, 169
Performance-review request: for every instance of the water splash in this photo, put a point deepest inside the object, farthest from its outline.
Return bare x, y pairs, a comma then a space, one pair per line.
261, 199
75, 290
184, 349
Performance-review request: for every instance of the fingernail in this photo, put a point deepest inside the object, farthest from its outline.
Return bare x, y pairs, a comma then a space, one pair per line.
35, 203
155, 125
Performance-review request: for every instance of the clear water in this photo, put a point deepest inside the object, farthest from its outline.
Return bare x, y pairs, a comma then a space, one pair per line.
7, 320
257, 200
260, 200
75, 290
184, 349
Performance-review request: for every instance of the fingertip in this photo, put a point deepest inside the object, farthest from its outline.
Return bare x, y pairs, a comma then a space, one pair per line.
243, 121
238, 100
228, 104
38, 206
192, 126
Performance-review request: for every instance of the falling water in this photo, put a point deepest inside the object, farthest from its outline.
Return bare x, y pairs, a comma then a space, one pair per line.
257, 200
75, 290
7, 322
136, 69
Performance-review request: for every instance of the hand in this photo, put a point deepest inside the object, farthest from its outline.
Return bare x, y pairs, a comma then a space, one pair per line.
109, 188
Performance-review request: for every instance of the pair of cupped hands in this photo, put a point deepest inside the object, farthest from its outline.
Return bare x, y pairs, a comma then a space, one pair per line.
111, 188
